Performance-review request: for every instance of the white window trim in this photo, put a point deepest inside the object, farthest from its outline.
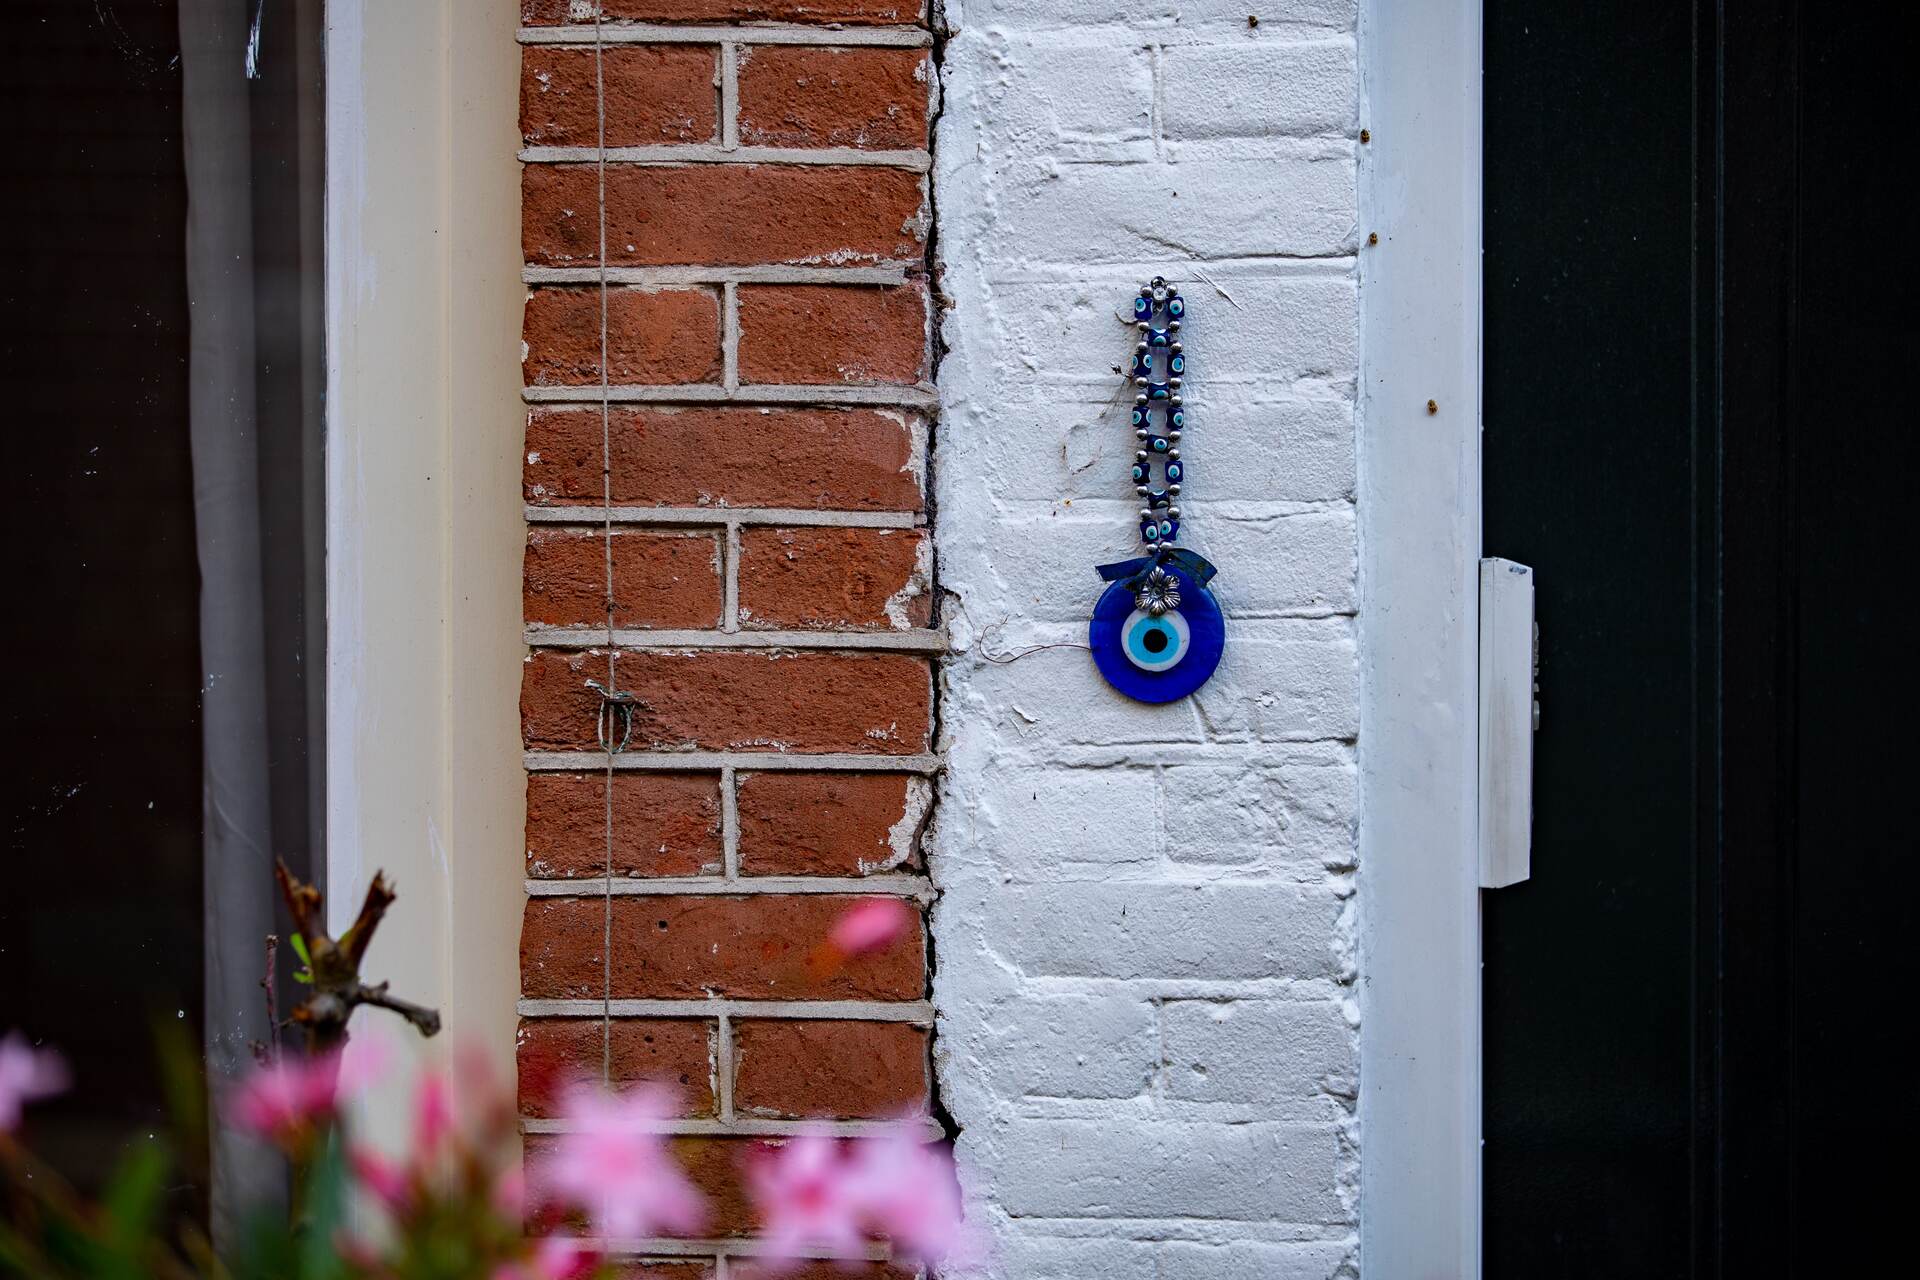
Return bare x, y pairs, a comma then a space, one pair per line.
424, 533
1420, 546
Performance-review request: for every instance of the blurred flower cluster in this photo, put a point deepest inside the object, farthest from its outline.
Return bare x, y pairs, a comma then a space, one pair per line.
454, 1201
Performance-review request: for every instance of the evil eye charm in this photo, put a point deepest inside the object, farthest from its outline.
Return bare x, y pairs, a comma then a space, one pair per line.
1142, 308
1157, 657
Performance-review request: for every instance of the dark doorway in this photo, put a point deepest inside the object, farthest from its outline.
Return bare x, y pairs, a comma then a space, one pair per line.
1699, 326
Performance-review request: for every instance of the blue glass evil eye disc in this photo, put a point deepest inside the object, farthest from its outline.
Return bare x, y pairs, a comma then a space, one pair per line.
1157, 659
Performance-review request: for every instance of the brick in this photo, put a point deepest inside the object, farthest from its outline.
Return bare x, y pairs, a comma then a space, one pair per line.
660, 579
876, 704
837, 1270
859, 13
813, 578
794, 96
829, 824
675, 1052
1264, 90
1104, 1046
723, 214
713, 1165
1257, 1051
664, 824
684, 947
669, 336
847, 460
831, 1070
1146, 1169
825, 334
655, 93
660, 1269
1137, 931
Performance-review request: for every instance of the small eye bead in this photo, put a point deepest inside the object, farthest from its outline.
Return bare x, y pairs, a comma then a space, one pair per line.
1139, 474
1173, 475
1139, 417
1176, 306
1142, 306
1178, 420
1150, 532
1178, 364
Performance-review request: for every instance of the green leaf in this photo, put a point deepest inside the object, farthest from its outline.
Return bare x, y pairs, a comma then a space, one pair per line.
304, 976
323, 1209
133, 1195
299, 942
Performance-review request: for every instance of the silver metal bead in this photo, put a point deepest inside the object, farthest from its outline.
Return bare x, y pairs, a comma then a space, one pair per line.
1173, 488
1140, 433
1146, 513
1141, 398
1174, 382
1176, 348
1173, 455
1140, 489
1144, 326
1173, 326
1175, 401
1173, 435
1173, 513
1140, 381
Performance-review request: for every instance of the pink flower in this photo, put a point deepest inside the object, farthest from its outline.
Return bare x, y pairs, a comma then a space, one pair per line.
870, 925
806, 1196
614, 1165
907, 1189
27, 1075
432, 1116
382, 1177
284, 1097
554, 1258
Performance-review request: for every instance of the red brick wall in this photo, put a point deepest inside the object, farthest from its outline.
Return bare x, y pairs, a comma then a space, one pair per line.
726, 514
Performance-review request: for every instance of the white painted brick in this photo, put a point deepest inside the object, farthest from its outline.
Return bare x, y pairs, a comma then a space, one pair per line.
1103, 863
1073, 1047
1301, 816
1259, 89
1058, 824
1221, 208
1083, 1168
1035, 1257
1253, 1260
1276, 689
1042, 338
1289, 564
1057, 696
1149, 13
1080, 101
1265, 929
1257, 1050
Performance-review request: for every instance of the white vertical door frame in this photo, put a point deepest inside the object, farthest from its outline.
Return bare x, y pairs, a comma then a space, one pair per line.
1420, 546
424, 530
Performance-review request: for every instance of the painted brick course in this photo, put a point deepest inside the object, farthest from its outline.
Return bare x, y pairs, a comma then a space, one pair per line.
664, 824
688, 947
1148, 1018
723, 214
653, 335
660, 579
825, 334
811, 97
751, 497
654, 93
835, 578
830, 824
700, 456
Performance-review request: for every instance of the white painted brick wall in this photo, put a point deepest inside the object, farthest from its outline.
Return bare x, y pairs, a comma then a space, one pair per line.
1145, 976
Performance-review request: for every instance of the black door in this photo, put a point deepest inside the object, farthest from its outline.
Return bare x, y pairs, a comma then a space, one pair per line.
1700, 344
